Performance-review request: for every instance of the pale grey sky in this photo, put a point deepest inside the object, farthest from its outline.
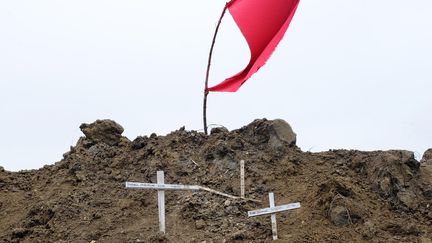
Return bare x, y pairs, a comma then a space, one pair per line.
348, 74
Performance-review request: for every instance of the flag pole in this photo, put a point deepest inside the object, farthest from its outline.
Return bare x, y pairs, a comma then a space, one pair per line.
206, 91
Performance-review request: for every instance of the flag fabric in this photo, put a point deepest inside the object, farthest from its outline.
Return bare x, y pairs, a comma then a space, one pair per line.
263, 23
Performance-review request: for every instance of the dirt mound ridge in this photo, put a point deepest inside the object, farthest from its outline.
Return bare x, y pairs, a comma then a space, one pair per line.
346, 195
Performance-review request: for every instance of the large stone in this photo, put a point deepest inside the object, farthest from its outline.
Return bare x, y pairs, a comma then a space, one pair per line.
105, 131
426, 173
339, 216
427, 157
281, 132
276, 133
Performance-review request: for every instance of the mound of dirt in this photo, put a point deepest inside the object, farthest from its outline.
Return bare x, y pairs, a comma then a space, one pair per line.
346, 195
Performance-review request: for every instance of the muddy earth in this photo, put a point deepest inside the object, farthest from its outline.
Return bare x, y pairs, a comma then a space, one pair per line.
346, 195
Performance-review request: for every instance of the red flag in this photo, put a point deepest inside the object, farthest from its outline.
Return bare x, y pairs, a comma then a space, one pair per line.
263, 24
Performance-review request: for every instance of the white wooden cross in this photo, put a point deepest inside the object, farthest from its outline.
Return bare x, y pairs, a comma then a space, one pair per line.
273, 210
160, 186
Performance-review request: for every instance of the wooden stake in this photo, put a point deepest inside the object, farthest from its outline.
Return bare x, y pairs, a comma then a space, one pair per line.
206, 92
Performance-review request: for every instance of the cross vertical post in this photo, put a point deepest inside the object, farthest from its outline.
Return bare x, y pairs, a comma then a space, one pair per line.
273, 216
161, 201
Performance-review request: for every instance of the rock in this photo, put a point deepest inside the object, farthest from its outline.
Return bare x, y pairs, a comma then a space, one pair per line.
153, 135
2, 169
239, 235
276, 133
200, 224
140, 142
408, 198
427, 157
232, 210
339, 216
218, 130
426, 173
227, 203
105, 131
281, 131
428, 194
20, 232
386, 186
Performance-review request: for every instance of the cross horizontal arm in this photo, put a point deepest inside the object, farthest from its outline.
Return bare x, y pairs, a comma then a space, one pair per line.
273, 209
139, 185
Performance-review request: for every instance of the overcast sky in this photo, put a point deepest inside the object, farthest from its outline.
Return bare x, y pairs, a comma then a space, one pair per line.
348, 74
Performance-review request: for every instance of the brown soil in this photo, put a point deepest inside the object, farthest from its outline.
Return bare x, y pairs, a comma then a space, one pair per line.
346, 195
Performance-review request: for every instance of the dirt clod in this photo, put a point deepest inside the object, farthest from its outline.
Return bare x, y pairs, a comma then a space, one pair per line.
106, 131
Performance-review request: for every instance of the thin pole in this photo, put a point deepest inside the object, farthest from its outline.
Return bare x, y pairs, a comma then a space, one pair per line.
206, 92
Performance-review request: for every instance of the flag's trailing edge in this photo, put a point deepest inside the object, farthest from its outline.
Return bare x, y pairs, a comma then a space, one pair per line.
263, 23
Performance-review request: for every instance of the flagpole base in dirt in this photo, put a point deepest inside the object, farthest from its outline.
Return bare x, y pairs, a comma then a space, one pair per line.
206, 92
205, 111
